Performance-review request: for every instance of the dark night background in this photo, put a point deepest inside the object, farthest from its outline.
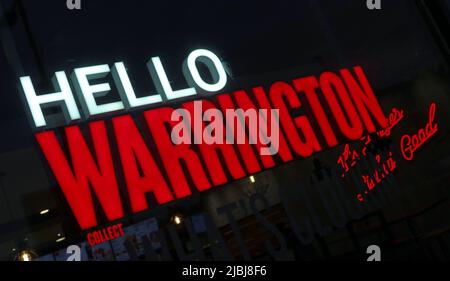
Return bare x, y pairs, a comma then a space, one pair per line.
403, 49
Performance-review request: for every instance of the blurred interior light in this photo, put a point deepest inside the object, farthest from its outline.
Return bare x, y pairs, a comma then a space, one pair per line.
60, 239
177, 219
26, 255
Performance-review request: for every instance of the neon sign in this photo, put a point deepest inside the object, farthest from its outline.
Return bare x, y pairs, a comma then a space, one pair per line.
377, 176
152, 163
350, 157
395, 116
87, 93
105, 234
409, 144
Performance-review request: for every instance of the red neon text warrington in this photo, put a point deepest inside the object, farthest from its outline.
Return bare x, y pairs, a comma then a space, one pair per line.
315, 113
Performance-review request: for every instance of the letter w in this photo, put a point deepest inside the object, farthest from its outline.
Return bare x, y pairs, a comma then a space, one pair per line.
75, 183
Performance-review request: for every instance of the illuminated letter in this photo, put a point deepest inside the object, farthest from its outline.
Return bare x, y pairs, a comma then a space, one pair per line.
87, 92
284, 97
248, 155
349, 122
215, 68
63, 98
162, 83
133, 152
364, 99
172, 155
84, 172
211, 148
309, 85
126, 90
